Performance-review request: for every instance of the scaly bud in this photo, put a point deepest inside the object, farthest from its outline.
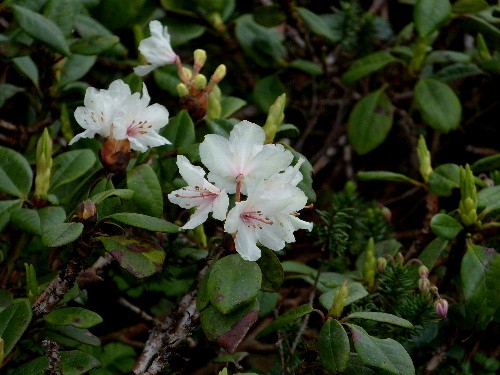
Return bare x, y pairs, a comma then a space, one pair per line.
43, 163
423, 272
200, 81
424, 159
468, 202
87, 210
182, 89
115, 155
218, 75
441, 307
200, 56
339, 301
424, 285
381, 264
370, 264
275, 118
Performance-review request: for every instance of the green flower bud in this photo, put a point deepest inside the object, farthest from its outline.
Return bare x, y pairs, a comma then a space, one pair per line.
399, 259
468, 202
381, 264
43, 163
424, 284
370, 264
423, 272
214, 108
187, 73
218, 75
339, 301
275, 118
200, 81
424, 159
182, 89
200, 56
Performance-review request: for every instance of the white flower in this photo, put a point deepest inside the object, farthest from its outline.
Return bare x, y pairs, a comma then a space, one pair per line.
243, 154
119, 114
269, 215
200, 194
156, 49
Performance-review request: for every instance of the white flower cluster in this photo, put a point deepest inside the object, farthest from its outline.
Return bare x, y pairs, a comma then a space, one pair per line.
119, 114
262, 172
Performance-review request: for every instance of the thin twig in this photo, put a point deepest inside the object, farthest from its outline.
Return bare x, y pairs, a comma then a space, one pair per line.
144, 315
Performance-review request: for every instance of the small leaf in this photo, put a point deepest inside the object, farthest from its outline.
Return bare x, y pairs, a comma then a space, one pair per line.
355, 291
26, 65
230, 104
120, 193
286, 319
381, 317
41, 28
307, 66
78, 334
317, 25
370, 122
486, 164
469, 6
62, 234
27, 220
74, 362
13, 322
438, 104
306, 169
94, 45
488, 196
16, 176
272, 271
146, 222
387, 355
75, 316
386, 176
444, 179
148, 198
141, 258
333, 345
366, 66
180, 131
445, 226
447, 57
71, 165
430, 15
456, 72
233, 282
433, 251
75, 67
7, 91
266, 91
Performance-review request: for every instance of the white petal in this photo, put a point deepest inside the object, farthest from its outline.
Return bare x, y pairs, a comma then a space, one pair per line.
156, 115
271, 236
193, 175
246, 244
142, 70
85, 134
220, 206
157, 49
233, 221
198, 218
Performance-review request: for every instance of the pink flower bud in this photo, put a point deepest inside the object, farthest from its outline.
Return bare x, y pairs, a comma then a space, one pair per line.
423, 271
441, 307
424, 284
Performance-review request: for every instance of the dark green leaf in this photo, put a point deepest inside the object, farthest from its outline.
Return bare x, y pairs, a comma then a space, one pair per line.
317, 25
13, 322
480, 276
430, 15
456, 72
7, 91
75, 316
74, 362
75, 67
120, 193
370, 122
486, 164
307, 66
469, 6
147, 198
269, 15
355, 291
41, 28
306, 169
387, 355
447, 57
146, 222
298, 267
286, 319
62, 13
438, 104
445, 226
140, 257
381, 317
488, 196
444, 179
71, 165
26, 65
230, 104
433, 251
94, 45
366, 66
233, 282
62, 234
78, 334
16, 176
272, 271
182, 30
333, 345
27, 220
386, 176
266, 91
167, 79
179, 131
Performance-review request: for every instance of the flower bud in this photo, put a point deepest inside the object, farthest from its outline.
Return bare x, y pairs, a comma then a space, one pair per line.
339, 301
43, 163
424, 159
87, 210
200, 56
200, 81
275, 118
423, 272
182, 89
218, 75
381, 264
441, 307
424, 284
186, 72
115, 155
370, 264
399, 259
468, 202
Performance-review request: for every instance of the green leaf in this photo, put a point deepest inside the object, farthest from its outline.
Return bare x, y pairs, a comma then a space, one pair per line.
298, 267
75, 67
62, 13
366, 66
140, 257
445, 226
87, 27
74, 362
26, 65
167, 79
94, 45
306, 169
148, 198
62, 234
317, 25
229, 329
146, 222
7, 91
386, 176
456, 72
272, 271
266, 91
438, 104
9, 205
27, 220
480, 276
16, 176
381, 317
370, 122
433, 251
269, 15
486, 164
13, 322
69, 166
444, 179
179, 131
387, 355
286, 319
430, 15
355, 291
75, 316
447, 57
120, 193
230, 104
41, 28
307, 66
182, 31
77, 334
333, 345
233, 282
469, 6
